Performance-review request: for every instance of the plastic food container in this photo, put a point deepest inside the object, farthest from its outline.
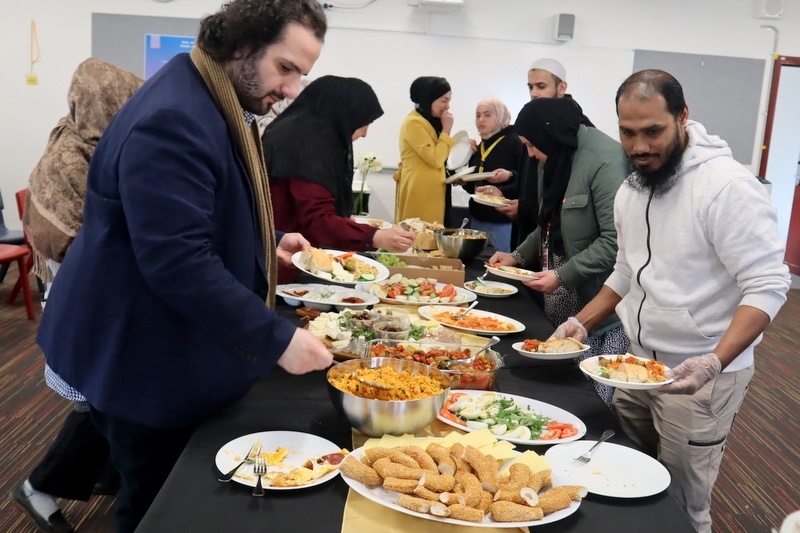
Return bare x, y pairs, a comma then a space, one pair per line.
479, 375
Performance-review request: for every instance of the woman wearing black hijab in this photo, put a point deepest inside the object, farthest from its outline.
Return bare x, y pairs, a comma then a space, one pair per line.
309, 154
580, 170
425, 143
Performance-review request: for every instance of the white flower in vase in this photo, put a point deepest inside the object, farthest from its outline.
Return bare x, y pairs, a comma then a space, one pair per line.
364, 162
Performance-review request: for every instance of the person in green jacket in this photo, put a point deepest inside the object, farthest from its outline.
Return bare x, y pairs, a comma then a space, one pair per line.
580, 170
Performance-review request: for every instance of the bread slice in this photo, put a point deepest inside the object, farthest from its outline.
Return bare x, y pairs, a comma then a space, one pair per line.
618, 374
636, 373
565, 345
317, 260
425, 240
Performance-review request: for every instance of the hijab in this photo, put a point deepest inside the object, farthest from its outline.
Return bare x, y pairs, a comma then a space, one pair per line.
425, 91
501, 114
57, 186
313, 138
551, 125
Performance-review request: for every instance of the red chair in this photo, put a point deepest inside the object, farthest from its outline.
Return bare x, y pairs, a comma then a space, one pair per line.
8, 254
21, 195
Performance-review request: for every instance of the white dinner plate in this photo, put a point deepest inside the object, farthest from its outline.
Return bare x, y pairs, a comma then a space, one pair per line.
548, 356
519, 274
383, 272
374, 222
460, 152
468, 296
318, 298
615, 471
461, 172
491, 203
429, 310
389, 499
588, 365
480, 291
301, 446
478, 176
550, 411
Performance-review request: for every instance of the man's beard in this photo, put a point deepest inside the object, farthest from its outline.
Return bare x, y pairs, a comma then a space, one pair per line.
663, 179
248, 89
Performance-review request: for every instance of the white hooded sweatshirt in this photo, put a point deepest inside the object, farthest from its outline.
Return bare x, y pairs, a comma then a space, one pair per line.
689, 258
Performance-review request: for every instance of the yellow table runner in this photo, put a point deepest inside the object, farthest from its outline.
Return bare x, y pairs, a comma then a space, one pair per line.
364, 516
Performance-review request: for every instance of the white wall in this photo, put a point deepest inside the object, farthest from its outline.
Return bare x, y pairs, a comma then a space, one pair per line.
64, 30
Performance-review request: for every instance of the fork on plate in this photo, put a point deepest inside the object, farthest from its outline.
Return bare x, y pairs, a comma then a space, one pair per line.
259, 469
587, 456
255, 449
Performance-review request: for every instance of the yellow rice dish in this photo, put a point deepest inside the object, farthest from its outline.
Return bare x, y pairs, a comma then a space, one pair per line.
407, 386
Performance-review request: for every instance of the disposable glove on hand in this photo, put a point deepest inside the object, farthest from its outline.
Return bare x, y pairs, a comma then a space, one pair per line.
571, 328
692, 374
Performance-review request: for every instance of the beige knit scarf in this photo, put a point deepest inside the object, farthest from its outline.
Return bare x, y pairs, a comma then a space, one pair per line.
251, 150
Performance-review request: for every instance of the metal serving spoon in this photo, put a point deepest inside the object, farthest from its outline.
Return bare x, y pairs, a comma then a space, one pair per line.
372, 383
457, 362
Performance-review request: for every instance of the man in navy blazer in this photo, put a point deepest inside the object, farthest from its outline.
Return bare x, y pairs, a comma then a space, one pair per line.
158, 314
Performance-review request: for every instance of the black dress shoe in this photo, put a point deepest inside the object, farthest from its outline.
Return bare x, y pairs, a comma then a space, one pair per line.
102, 488
55, 523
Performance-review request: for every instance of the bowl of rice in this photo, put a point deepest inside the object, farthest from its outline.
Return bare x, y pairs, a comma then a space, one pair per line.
418, 394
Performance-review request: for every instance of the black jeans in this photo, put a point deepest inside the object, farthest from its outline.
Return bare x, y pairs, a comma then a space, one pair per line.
74, 461
144, 457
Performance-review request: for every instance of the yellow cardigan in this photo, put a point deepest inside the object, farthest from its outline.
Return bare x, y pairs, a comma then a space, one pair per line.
421, 187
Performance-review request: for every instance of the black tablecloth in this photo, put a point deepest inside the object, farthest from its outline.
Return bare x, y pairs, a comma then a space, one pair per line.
193, 500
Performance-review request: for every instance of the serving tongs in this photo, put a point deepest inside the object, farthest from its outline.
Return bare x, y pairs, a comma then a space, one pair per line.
420, 253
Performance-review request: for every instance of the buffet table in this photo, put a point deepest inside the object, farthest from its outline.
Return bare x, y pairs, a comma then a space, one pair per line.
193, 500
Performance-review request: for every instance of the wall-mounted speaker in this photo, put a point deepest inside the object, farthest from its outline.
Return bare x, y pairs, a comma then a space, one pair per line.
770, 9
564, 27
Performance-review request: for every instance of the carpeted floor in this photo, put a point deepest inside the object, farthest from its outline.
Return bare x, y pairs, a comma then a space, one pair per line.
756, 489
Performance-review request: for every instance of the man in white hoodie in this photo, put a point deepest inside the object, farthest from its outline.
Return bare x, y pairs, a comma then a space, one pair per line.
698, 278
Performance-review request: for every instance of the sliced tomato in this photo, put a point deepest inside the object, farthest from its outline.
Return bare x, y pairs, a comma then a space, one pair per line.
447, 291
552, 434
451, 400
569, 432
451, 416
554, 424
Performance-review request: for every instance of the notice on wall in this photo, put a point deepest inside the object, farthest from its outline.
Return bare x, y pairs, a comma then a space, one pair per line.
158, 49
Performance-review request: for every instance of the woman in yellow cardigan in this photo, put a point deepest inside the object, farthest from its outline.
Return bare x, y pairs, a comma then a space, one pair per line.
425, 143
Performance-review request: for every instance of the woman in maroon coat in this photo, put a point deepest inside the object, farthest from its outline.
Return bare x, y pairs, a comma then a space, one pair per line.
309, 155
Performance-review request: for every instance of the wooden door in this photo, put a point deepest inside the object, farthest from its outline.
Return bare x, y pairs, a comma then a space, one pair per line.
781, 151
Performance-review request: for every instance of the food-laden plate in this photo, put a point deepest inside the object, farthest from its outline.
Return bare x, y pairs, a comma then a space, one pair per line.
460, 152
324, 297
548, 356
491, 201
592, 368
459, 174
511, 272
374, 268
615, 471
477, 321
374, 222
491, 289
417, 291
389, 499
483, 405
286, 452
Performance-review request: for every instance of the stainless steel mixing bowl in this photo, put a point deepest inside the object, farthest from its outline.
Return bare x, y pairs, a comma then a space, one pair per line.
378, 417
462, 244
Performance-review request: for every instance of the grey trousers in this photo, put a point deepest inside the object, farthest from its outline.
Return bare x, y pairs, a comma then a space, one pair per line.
687, 434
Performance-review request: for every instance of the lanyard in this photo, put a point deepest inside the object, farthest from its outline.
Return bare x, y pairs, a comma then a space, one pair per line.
546, 249
485, 153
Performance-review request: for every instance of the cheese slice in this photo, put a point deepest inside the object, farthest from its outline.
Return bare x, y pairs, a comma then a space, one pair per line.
535, 462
